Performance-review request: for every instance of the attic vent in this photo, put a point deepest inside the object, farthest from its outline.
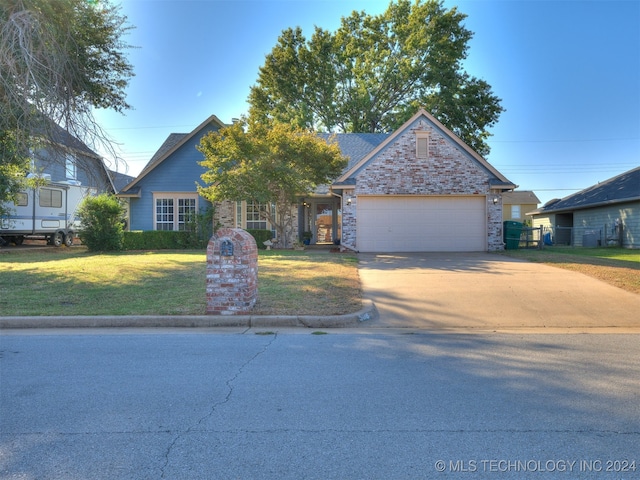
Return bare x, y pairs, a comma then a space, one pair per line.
422, 144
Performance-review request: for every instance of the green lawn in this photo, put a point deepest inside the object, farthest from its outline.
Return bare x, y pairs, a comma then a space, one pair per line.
74, 282
609, 253
617, 266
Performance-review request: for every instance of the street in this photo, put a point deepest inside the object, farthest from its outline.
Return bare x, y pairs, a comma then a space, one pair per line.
291, 404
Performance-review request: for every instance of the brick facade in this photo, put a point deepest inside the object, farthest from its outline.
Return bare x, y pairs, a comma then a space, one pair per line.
232, 272
447, 170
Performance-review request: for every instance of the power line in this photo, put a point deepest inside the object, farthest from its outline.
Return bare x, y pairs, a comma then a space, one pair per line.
584, 140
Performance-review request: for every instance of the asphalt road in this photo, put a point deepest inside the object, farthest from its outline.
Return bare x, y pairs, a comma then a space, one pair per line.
367, 404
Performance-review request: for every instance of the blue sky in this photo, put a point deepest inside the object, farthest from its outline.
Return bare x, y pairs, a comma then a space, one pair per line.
568, 74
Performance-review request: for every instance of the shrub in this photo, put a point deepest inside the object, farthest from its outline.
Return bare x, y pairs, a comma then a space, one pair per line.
101, 219
161, 240
261, 236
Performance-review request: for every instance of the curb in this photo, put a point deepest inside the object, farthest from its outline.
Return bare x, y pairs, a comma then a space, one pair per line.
368, 312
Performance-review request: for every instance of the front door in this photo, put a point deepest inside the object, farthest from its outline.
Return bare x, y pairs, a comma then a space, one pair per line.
324, 219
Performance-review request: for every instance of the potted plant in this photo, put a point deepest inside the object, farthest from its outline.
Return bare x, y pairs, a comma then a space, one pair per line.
306, 238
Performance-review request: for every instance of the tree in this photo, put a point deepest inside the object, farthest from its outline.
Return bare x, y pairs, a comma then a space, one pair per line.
60, 60
102, 220
374, 72
271, 164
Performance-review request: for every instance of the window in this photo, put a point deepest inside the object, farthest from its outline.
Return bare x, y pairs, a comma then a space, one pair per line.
238, 214
164, 214
186, 212
175, 211
22, 200
422, 144
70, 167
515, 211
251, 215
50, 198
255, 217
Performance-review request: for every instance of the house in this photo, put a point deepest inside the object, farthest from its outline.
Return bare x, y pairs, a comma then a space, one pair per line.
419, 188
515, 205
164, 195
422, 189
607, 213
71, 171
67, 159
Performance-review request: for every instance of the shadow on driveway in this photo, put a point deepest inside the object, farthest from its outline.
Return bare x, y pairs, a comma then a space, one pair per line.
488, 292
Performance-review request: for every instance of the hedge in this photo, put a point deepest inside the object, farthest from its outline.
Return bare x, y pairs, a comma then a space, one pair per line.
162, 240
176, 240
261, 236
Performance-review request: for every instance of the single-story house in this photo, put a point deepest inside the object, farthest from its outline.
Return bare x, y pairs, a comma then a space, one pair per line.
164, 195
419, 188
604, 214
515, 205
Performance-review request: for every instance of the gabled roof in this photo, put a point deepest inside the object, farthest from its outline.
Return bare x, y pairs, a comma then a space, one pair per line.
119, 180
356, 146
622, 188
522, 197
173, 142
499, 181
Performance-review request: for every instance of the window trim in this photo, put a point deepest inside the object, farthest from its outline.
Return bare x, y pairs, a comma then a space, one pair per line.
71, 167
50, 198
175, 198
242, 216
422, 144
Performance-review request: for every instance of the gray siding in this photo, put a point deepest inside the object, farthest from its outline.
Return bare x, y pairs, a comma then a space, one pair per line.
602, 220
626, 213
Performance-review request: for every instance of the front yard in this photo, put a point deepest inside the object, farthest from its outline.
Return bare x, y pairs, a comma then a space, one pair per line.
616, 266
73, 282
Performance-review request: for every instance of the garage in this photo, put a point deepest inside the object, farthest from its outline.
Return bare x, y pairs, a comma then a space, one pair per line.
421, 223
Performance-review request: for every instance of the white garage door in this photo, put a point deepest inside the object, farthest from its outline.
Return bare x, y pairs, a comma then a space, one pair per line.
421, 224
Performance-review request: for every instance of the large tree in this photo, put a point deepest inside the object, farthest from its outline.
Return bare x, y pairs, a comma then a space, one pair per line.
271, 164
375, 71
59, 60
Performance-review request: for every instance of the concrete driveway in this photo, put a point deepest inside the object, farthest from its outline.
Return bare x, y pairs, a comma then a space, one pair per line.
490, 292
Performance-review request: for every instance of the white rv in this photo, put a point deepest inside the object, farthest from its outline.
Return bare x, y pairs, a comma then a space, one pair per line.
47, 212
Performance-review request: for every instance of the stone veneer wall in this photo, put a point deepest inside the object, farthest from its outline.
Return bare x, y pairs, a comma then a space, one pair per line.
446, 171
231, 280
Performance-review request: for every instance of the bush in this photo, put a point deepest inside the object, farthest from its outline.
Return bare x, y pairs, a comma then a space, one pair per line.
261, 236
198, 231
161, 240
101, 221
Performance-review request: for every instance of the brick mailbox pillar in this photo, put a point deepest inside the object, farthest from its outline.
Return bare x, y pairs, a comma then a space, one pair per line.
232, 272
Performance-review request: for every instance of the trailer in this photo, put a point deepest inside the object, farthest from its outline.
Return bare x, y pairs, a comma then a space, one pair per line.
46, 212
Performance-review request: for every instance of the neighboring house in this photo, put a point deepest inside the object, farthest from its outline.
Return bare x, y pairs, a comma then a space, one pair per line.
515, 205
604, 214
71, 161
418, 189
70, 171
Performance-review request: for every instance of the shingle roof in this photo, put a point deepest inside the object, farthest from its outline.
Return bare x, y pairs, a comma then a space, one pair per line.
356, 145
520, 197
622, 188
172, 140
120, 180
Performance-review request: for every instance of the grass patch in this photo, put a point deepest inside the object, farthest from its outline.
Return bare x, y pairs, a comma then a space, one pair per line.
617, 266
75, 282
